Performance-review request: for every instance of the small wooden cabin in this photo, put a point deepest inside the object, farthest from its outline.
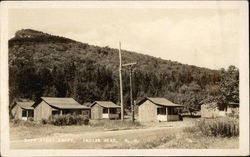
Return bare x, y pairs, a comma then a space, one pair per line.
105, 110
23, 110
212, 110
157, 109
47, 107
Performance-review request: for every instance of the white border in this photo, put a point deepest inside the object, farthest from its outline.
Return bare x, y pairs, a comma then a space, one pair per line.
244, 78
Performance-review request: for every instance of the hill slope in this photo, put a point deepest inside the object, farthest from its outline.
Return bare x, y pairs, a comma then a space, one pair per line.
46, 65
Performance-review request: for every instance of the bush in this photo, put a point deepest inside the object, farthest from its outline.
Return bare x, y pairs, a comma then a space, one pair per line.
44, 121
16, 121
234, 113
69, 120
31, 119
19, 122
190, 129
224, 127
115, 124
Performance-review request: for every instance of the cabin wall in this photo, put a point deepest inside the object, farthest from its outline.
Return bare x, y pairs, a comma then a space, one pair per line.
208, 112
17, 112
96, 112
147, 112
113, 116
162, 118
42, 111
173, 117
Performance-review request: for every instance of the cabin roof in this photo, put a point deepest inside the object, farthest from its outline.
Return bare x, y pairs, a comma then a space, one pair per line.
106, 104
160, 102
26, 105
63, 103
233, 104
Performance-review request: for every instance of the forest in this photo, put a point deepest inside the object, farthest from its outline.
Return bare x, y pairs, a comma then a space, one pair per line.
41, 64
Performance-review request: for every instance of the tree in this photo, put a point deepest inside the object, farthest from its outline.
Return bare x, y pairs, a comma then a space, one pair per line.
229, 86
90, 73
190, 97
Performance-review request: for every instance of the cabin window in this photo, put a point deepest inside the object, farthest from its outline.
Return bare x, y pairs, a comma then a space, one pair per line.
30, 113
105, 110
24, 113
118, 110
76, 112
112, 110
172, 111
85, 112
66, 112
55, 113
161, 111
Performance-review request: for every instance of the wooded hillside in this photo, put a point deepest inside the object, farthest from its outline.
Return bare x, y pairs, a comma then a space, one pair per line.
45, 65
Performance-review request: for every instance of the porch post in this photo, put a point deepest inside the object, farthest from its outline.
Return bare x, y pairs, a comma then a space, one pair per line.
167, 113
61, 112
27, 114
108, 112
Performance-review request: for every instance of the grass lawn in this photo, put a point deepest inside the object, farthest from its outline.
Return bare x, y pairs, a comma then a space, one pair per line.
22, 132
195, 140
180, 139
32, 130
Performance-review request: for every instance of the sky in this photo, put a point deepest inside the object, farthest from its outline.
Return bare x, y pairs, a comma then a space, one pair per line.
202, 37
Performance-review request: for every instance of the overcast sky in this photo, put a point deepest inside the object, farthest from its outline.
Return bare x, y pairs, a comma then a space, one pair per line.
201, 37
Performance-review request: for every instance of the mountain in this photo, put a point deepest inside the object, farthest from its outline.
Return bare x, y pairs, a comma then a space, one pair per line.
41, 64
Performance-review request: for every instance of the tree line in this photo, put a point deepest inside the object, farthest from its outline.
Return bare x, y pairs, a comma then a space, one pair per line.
89, 73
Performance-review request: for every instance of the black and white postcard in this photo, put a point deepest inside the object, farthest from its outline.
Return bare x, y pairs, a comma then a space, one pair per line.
124, 78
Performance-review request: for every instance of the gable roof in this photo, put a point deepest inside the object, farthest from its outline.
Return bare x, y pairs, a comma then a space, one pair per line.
26, 105
160, 102
63, 103
106, 104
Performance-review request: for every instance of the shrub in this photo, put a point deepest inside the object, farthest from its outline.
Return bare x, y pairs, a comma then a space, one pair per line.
234, 113
19, 122
224, 127
16, 121
69, 120
31, 119
115, 124
190, 129
44, 121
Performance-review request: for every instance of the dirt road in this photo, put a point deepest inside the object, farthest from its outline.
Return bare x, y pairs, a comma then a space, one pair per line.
100, 139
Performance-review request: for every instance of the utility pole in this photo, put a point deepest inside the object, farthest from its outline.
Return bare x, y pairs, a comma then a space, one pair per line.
130, 67
120, 74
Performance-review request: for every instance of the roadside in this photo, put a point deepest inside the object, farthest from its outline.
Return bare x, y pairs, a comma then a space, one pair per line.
165, 135
184, 140
94, 140
49, 136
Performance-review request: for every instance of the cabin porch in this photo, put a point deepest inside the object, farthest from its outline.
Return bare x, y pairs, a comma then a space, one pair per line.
167, 114
84, 112
110, 113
